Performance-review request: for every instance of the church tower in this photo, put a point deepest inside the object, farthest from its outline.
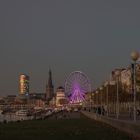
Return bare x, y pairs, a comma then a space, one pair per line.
49, 88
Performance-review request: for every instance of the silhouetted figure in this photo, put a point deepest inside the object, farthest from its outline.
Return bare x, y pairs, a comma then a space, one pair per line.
130, 112
138, 112
103, 110
99, 110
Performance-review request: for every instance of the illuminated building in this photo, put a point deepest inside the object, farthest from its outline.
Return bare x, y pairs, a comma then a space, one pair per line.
24, 84
60, 97
126, 78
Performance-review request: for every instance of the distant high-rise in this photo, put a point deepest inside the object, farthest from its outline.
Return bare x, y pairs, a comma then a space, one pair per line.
24, 84
49, 88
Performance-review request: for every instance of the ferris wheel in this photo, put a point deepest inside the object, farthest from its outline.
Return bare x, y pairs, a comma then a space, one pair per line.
76, 86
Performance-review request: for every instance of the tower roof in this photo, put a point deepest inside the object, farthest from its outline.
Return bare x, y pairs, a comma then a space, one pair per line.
60, 87
50, 79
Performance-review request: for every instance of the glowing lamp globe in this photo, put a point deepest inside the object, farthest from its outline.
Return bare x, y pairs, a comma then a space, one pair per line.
101, 88
134, 55
97, 92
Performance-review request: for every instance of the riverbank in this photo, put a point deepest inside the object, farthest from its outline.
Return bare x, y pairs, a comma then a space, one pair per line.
75, 127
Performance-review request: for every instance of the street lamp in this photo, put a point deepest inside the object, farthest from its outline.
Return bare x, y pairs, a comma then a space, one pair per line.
117, 73
92, 95
91, 100
101, 88
106, 85
134, 57
97, 97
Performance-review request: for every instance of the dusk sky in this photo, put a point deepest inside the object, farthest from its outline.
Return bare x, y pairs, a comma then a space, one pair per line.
93, 36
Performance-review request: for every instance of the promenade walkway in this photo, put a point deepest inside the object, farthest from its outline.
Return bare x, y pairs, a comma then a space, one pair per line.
124, 123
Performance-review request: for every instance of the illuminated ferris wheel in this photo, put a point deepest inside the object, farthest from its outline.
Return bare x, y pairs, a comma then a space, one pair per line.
76, 86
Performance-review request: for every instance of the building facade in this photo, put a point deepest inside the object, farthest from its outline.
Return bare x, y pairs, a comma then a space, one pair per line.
126, 78
60, 97
24, 84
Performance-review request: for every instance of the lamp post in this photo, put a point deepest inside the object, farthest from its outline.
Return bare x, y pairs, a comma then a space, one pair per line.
101, 88
117, 73
97, 98
134, 57
106, 85
91, 100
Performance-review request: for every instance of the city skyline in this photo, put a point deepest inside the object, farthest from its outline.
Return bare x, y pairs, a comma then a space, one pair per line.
65, 36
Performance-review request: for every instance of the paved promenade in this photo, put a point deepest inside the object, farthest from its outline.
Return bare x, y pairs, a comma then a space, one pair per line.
123, 123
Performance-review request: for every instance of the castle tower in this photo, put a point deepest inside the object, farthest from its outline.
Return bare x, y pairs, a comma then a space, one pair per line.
49, 88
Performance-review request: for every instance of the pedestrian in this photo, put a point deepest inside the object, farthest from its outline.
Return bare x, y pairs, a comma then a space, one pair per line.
130, 112
138, 111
